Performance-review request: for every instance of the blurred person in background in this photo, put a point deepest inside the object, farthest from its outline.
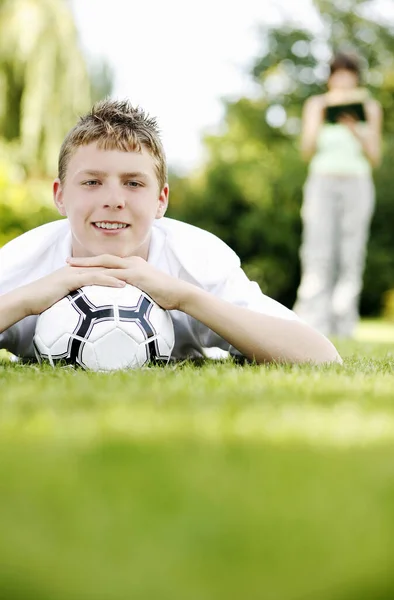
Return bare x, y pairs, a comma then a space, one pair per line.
341, 139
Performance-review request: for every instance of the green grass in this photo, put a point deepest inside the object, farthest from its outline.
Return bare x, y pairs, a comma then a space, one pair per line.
201, 483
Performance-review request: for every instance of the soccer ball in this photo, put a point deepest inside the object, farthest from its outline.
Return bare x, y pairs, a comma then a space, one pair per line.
105, 329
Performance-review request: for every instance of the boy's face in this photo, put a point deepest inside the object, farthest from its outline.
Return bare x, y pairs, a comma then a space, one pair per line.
111, 199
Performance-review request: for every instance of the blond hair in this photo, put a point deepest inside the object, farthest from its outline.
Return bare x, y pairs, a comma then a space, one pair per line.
116, 125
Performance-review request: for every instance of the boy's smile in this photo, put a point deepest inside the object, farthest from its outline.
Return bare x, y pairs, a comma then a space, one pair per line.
110, 226
111, 199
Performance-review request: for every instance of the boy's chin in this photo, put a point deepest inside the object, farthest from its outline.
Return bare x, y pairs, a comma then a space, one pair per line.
110, 245
118, 249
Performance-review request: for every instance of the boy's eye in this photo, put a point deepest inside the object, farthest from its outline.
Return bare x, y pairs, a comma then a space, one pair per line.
133, 184
91, 183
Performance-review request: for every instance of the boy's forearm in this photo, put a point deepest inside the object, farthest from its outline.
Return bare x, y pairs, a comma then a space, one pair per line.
14, 307
257, 336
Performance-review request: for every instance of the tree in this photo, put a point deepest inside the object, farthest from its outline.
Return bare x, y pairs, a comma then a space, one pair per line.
44, 82
250, 191
101, 79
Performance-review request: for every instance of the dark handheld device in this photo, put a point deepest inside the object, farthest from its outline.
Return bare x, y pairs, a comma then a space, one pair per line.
355, 110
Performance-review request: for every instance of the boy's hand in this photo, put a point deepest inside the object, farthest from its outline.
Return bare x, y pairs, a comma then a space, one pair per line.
43, 293
166, 290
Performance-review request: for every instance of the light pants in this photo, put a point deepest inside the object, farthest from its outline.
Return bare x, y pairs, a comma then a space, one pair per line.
336, 216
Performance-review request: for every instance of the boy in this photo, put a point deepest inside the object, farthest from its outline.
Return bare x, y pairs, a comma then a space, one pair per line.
112, 187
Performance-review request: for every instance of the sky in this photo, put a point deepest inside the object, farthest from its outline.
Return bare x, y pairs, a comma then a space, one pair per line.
179, 58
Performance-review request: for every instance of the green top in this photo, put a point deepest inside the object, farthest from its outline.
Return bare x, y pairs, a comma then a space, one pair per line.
339, 152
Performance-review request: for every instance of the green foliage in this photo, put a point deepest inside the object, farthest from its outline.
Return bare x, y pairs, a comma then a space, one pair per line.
44, 81
23, 204
250, 210
379, 273
250, 191
388, 305
101, 79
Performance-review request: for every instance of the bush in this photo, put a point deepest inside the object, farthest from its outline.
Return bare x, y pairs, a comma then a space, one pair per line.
24, 204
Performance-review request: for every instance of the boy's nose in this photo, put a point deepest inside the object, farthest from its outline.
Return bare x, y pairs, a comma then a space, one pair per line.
114, 200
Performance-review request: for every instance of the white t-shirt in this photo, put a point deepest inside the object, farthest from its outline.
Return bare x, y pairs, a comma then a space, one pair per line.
176, 248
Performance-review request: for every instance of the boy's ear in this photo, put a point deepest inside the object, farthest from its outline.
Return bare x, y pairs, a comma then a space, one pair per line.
162, 202
58, 197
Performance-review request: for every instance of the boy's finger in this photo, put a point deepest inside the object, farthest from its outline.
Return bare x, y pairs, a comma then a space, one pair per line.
113, 282
105, 280
104, 260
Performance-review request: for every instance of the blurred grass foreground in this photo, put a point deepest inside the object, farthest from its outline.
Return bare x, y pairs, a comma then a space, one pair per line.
213, 482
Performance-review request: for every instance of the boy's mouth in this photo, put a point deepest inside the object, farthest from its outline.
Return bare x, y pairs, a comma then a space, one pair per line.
110, 225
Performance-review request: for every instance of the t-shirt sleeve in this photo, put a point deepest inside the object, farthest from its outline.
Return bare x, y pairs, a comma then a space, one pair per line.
8, 339
3, 340
4, 335
239, 290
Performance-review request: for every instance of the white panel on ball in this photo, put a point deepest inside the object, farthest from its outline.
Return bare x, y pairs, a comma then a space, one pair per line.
101, 296
164, 349
162, 322
134, 330
100, 329
40, 348
59, 319
60, 347
88, 357
116, 350
142, 356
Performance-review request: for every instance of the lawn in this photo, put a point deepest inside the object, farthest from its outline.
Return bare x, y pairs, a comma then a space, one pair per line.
201, 482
